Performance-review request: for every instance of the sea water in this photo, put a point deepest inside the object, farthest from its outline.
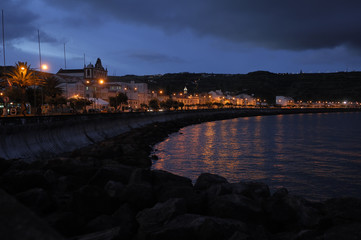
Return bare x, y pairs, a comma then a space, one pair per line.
317, 156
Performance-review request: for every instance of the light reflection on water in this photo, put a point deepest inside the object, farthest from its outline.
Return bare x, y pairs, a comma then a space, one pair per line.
314, 155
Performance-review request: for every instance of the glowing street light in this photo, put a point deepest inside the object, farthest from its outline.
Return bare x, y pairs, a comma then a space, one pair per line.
44, 67
101, 82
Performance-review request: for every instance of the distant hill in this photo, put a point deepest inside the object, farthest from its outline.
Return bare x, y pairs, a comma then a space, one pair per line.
337, 86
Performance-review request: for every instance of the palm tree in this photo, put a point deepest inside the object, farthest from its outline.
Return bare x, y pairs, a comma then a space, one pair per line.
52, 91
21, 78
52, 87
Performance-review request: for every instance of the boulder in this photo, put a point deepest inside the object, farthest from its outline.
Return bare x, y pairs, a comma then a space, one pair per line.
280, 211
206, 180
84, 168
125, 218
91, 201
240, 236
114, 189
219, 190
153, 218
189, 226
100, 223
51, 177
19, 223
235, 206
280, 193
343, 210
108, 234
69, 183
63, 201
68, 224
256, 191
115, 172
162, 178
290, 213
133, 160
139, 195
350, 231
195, 202
15, 181
141, 175
305, 234
174, 192
4, 165
36, 199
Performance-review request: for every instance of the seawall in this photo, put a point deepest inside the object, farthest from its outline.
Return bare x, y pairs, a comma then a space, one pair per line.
39, 137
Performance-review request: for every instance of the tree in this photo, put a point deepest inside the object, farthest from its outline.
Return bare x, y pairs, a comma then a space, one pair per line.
154, 104
52, 87
176, 105
169, 104
144, 106
79, 103
52, 91
165, 105
21, 78
118, 100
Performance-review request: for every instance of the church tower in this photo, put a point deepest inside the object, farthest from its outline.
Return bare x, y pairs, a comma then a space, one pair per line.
93, 73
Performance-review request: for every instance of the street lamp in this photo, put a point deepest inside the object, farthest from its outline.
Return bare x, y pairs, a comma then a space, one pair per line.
22, 71
100, 82
44, 67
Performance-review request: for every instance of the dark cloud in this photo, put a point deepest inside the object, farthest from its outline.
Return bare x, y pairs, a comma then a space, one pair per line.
155, 58
279, 24
21, 23
18, 21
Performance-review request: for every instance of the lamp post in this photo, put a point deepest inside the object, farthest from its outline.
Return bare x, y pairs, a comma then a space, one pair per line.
100, 82
43, 67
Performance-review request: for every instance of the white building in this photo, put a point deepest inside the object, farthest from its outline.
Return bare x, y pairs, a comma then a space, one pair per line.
137, 93
284, 101
86, 83
246, 100
216, 96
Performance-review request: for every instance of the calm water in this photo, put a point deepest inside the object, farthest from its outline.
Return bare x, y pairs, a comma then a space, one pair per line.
317, 156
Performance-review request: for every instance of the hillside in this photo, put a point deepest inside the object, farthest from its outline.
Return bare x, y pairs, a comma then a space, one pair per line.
305, 86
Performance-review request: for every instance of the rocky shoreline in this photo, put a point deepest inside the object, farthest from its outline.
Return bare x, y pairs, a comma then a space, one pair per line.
107, 191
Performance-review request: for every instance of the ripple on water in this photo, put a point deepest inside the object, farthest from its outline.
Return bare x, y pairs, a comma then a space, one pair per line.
314, 155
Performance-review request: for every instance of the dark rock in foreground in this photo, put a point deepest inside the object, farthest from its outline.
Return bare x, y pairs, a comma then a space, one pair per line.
144, 204
84, 196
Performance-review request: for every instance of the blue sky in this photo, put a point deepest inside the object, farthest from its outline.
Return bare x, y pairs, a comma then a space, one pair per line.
165, 36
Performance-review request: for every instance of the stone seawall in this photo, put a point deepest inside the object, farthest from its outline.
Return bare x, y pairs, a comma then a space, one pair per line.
39, 137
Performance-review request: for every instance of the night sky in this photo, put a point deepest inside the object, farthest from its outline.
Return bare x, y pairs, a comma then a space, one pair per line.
165, 36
